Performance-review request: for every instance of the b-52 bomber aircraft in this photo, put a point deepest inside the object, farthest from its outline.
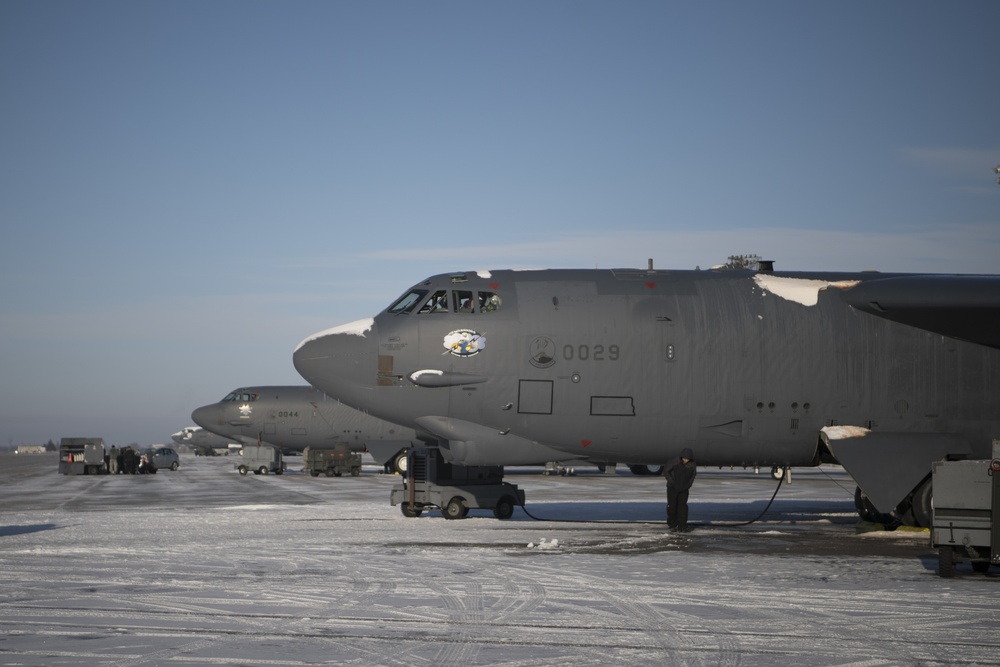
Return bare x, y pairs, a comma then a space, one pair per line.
295, 417
882, 373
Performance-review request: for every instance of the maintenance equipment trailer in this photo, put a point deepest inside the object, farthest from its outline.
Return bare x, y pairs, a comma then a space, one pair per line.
966, 513
333, 462
432, 482
261, 459
82, 456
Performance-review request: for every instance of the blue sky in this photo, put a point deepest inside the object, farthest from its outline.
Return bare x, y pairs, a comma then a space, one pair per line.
188, 189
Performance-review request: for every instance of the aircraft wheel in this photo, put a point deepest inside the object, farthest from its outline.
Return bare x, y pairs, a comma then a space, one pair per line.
920, 505
455, 509
777, 472
262, 470
981, 566
243, 470
504, 508
399, 463
946, 562
410, 511
863, 506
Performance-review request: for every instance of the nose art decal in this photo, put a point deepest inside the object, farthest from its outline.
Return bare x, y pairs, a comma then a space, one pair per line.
464, 343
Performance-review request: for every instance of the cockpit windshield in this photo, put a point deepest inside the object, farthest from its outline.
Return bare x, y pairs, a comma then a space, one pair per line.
406, 303
243, 397
460, 301
436, 304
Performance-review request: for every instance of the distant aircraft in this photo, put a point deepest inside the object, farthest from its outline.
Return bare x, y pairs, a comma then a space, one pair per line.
882, 373
295, 417
204, 443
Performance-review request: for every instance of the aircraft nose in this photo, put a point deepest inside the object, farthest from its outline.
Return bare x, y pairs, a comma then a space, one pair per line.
207, 416
340, 361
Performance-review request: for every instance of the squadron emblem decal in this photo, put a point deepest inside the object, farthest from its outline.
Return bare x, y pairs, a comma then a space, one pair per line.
543, 352
464, 343
246, 412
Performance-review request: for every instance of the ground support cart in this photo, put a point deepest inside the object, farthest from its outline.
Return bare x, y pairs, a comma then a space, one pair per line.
966, 513
432, 483
261, 459
333, 462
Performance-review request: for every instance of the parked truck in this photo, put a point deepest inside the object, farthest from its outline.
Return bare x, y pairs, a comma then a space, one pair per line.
966, 513
333, 462
82, 456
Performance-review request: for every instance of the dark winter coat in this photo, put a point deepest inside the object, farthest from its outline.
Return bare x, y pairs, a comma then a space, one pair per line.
681, 475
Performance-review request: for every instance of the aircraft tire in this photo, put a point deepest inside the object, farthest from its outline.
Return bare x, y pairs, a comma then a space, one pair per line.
504, 508
410, 511
946, 562
863, 506
920, 505
399, 462
455, 509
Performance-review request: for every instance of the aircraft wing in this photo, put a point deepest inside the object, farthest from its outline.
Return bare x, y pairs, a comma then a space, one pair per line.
962, 307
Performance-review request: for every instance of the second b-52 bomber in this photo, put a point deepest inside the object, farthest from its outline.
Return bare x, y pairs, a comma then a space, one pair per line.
882, 373
293, 418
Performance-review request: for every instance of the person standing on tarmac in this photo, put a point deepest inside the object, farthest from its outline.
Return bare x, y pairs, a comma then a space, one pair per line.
680, 473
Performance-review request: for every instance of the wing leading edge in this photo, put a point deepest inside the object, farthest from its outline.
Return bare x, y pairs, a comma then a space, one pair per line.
963, 307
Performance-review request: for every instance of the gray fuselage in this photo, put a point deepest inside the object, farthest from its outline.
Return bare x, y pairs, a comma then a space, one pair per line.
628, 365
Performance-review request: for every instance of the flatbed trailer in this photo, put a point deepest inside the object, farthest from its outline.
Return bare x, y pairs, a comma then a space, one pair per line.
432, 483
966, 513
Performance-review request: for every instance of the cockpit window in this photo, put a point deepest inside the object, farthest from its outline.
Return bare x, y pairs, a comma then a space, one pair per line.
439, 301
489, 302
436, 304
244, 397
407, 302
462, 300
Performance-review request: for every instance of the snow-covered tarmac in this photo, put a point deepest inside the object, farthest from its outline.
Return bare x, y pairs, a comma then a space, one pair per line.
205, 567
